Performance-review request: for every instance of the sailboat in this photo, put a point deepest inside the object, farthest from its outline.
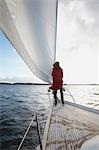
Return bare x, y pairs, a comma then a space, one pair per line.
31, 27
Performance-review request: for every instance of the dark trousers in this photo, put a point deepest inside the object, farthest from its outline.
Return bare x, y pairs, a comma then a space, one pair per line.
55, 96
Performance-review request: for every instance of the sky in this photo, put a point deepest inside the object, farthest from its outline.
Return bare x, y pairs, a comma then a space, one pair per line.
12, 67
77, 46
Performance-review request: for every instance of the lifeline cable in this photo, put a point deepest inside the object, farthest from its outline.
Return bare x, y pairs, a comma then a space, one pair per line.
28, 128
71, 95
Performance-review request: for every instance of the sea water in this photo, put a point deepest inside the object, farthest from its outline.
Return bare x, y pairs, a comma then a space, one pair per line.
19, 102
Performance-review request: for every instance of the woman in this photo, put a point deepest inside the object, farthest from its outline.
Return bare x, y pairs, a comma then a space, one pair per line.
57, 75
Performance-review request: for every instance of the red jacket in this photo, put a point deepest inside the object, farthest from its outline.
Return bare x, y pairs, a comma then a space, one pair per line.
57, 75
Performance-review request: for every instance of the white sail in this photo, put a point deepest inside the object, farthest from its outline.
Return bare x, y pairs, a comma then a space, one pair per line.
30, 26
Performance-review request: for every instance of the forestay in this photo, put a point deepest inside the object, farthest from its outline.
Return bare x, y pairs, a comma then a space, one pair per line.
30, 26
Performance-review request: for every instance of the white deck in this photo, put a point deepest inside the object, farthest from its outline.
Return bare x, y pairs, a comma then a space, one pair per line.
69, 126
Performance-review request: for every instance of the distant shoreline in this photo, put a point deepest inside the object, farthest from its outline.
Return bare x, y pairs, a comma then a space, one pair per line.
41, 84
24, 83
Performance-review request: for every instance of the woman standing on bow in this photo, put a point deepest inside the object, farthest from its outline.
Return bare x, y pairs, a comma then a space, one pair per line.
57, 75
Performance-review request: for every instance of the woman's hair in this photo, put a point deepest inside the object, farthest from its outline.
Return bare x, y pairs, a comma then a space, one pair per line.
56, 64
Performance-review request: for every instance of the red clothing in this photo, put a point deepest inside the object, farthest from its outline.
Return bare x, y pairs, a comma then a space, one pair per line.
57, 75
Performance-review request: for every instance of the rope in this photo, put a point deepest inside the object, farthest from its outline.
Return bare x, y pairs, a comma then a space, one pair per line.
28, 129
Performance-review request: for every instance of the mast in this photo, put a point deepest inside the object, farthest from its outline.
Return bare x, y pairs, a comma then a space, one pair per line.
56, 30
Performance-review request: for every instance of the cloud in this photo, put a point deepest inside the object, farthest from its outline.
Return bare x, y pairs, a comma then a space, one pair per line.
78, 39
80, 24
